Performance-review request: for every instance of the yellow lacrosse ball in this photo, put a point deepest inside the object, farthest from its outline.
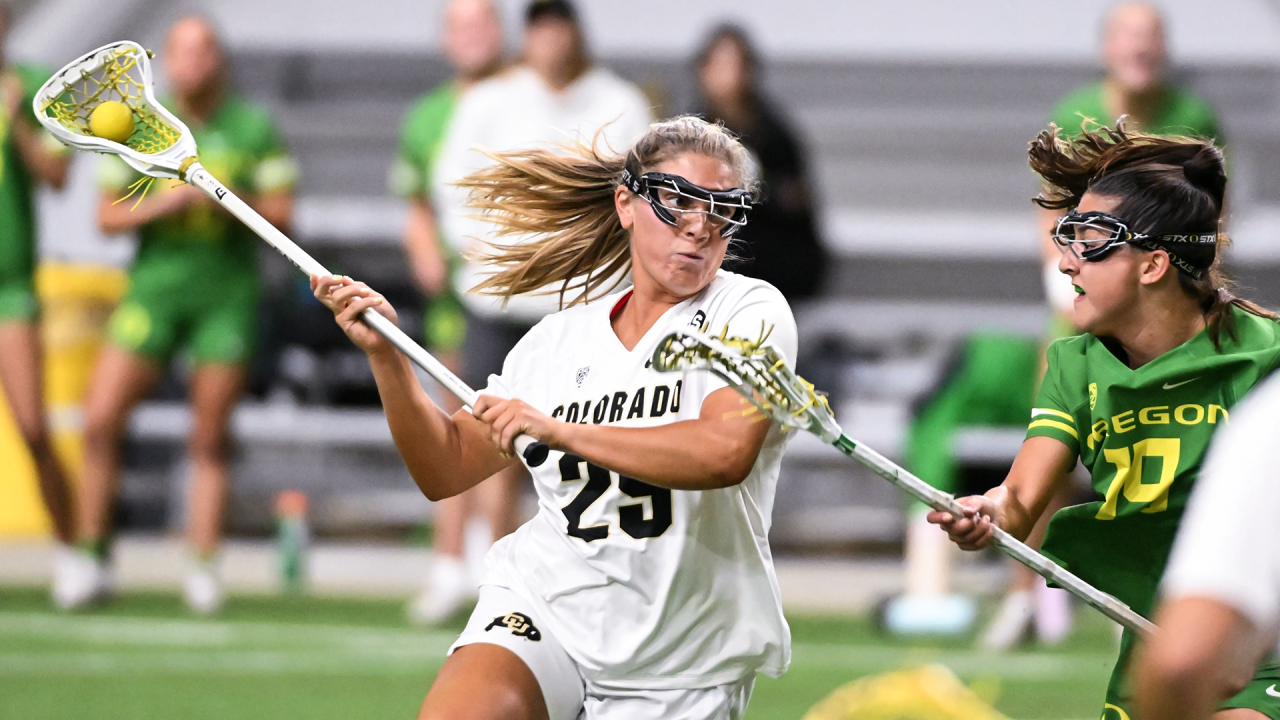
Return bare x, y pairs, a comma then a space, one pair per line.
112, 120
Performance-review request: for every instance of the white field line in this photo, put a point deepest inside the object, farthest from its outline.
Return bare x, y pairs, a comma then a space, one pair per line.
212, 633
1023, 666
188, 647
221, 662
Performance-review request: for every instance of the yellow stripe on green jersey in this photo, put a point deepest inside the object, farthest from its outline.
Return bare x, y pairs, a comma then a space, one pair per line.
1055, 424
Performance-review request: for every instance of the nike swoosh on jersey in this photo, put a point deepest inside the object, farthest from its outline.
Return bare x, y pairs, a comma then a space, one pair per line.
1272, 691
1170, 386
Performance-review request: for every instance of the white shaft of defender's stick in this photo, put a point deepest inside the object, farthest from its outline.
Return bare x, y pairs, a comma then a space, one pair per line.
198, 176
1108, 605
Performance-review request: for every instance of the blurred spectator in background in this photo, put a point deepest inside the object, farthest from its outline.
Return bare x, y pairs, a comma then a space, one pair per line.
781, 245
28, 157
193, 289
555, 95
1135, 86
473, 47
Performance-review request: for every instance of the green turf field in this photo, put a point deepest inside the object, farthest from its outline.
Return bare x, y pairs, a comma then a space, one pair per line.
144, 657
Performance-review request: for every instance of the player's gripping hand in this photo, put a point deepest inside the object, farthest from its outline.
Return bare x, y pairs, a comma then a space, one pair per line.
506, 419
347, 299
971, 531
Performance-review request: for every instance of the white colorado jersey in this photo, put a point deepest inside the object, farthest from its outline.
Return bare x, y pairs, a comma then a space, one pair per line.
647, 588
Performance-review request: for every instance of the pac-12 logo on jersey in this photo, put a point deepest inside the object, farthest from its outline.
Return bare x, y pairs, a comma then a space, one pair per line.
519, 624
1093, 395
582, 375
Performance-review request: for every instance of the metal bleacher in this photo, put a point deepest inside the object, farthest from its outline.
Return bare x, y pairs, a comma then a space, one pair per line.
919, 167
921, 173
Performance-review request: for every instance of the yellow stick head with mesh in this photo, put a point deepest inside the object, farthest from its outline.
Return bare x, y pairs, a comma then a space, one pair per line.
757, 372
115, 75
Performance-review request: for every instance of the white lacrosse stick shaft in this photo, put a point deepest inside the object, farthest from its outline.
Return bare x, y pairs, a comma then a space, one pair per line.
763, 378
938, 500
534, 452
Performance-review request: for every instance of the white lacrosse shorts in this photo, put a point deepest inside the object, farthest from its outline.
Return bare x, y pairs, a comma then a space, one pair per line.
502, 618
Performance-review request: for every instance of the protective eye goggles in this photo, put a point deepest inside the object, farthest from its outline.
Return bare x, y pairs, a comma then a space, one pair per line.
674, 198
1091, 236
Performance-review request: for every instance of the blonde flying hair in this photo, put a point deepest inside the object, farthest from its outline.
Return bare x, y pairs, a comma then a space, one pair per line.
565, 201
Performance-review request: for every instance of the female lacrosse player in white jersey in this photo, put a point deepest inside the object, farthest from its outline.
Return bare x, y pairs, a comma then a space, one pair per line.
644, 586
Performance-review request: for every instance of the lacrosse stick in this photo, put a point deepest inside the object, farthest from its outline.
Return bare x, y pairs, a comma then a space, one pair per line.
760, 374
161, 146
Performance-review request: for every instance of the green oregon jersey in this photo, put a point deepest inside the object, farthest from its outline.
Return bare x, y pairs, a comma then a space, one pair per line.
194, 281
1181, 113
420, 139
241, 147
17, 215
421, 136
1143, 434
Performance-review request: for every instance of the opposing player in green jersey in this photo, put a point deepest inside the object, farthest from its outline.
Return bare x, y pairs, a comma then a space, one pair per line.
28, 156
1166, 352
193, 288
1137, 86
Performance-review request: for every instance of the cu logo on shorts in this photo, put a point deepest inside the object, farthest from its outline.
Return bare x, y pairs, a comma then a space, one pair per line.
519, 624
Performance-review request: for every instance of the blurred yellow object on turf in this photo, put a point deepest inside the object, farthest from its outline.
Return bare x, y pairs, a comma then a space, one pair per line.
75, 301
930, 692
112, 120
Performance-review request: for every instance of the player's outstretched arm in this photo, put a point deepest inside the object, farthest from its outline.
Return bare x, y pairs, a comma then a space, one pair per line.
422, 245
1015, 504
1204, 653
117, 216
445, 455
44, 157
716, 450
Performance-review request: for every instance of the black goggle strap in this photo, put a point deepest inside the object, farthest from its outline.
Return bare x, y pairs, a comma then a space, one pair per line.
1163, 242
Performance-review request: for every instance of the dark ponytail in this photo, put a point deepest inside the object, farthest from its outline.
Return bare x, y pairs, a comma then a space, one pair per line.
1166, 185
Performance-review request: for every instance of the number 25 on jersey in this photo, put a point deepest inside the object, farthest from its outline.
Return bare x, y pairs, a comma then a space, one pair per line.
635, 519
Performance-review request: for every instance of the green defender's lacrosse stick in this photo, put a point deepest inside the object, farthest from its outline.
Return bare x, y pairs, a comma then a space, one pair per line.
760, 374
161, 146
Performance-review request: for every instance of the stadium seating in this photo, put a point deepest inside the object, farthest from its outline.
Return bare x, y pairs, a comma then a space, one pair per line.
918, 161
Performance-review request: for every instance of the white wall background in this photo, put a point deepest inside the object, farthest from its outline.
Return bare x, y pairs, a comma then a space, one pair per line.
1201, 31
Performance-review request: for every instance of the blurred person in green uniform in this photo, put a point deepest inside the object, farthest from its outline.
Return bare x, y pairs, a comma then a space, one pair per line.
28, 157
193, 290
473, 46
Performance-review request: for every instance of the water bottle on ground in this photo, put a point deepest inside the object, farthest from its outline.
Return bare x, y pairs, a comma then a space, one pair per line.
292, 539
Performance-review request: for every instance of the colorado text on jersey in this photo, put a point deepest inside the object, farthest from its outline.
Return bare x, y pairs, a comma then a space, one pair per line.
621, 405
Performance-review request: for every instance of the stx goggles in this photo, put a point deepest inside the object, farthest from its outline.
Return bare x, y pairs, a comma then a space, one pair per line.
672, 198
1091, 236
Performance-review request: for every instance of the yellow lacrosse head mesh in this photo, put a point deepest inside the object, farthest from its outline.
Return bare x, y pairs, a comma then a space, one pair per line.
120, 78
755, 369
